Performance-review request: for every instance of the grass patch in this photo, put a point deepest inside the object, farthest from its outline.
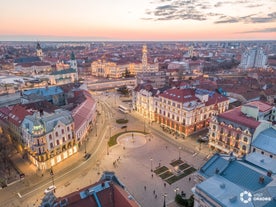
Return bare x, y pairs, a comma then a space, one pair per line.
113, 140
183, 166
182, 175
189, 170
122, 121
176, 162
166, 174
160, 170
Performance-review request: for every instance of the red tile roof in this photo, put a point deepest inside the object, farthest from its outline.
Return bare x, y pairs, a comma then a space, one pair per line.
215, 98
112, 196
235, 115
180, 95
263, 107
17, 115
83, 112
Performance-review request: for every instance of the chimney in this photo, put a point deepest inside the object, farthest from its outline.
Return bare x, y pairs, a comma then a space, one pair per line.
261, 179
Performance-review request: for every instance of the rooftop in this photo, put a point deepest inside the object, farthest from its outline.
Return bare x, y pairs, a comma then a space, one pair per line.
266, 140
227, 177
235, 115
263, 107
105, 193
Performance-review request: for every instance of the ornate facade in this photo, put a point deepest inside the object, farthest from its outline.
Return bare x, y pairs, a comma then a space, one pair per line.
185, 111
232, 131
48, 138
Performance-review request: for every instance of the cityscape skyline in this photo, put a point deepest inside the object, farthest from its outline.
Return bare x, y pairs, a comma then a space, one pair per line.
160, 20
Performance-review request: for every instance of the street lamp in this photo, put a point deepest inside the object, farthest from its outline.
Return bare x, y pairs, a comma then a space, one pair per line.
179, 152
164, 195
151, 164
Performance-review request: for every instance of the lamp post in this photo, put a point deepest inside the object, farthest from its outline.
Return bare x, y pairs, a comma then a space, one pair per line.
164, 195
179, 152
151, 164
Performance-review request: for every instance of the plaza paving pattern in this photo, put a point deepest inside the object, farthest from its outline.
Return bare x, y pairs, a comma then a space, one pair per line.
177, 170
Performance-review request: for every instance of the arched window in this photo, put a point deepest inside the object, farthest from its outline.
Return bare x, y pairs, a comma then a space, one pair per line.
245, 139
56, 134
214, 127
243, 147
51, 145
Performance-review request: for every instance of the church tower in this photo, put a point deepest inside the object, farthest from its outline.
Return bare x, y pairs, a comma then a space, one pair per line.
144, 59
39, 52
73, 64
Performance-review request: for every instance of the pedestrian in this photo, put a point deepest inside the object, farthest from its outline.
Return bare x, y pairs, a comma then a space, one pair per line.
145, 187
189, 179
153, 191
165, 184
151, 175
155, 196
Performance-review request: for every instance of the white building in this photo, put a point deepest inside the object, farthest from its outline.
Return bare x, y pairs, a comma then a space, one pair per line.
253, 58
48, 137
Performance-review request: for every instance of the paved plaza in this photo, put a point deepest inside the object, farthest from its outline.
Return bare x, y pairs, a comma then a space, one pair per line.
133, 160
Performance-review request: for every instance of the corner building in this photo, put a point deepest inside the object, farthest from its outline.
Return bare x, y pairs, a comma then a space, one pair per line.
49, 137
184, 111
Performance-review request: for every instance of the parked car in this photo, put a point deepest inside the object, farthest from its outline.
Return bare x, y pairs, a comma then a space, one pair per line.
203, 139
50, 189
87, 156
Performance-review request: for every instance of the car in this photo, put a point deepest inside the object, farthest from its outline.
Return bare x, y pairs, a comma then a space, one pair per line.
87, 156
202, 139
50, 189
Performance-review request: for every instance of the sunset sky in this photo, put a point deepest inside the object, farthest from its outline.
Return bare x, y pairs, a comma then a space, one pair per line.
39, 20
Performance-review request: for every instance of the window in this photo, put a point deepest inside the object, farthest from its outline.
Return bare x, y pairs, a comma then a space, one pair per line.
56, 134
271, 156
221, 130
62, 131
262, 152
68, 129
51, 145
243, 147
57, 142
254, 149
69, 136
245, 139
214, 127
50, 137
63, 139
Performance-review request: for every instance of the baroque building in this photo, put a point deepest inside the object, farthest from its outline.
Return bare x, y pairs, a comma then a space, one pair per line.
184, 111
181, 111
48, 138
